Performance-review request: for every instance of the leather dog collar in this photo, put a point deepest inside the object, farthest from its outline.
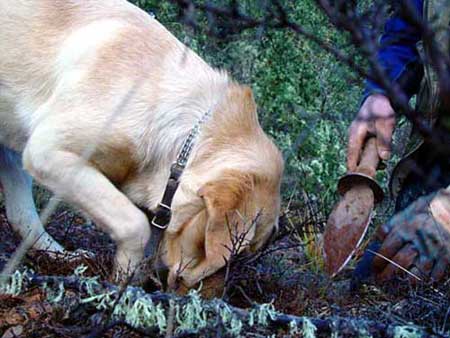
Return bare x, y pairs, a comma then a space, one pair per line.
161, 216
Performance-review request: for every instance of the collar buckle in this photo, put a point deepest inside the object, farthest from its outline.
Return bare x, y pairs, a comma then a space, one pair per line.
159, 226
161, 219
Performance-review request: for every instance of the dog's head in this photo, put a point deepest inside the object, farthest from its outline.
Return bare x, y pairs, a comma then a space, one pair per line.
229, 198
236, 212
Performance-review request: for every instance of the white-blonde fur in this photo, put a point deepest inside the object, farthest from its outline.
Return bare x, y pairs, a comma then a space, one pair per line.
103, 79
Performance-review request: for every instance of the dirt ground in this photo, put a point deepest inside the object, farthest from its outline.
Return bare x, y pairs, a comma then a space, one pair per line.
287, 275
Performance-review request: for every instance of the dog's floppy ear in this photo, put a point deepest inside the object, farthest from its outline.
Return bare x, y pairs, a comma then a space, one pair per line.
222, 197
226, 194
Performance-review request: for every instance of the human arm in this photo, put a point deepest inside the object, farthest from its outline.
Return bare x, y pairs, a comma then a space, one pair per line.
399, 58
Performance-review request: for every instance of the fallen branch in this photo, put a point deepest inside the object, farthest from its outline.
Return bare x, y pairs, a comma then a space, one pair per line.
260, 315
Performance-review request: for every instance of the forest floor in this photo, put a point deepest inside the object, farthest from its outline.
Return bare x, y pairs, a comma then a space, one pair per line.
288, 274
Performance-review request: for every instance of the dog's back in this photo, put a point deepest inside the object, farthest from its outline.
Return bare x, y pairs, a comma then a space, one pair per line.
91, 47
34, 59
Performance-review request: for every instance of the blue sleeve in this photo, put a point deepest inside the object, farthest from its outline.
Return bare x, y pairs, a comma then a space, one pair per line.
398, 53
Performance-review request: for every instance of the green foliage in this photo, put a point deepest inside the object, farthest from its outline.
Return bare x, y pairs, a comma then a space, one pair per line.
306, 98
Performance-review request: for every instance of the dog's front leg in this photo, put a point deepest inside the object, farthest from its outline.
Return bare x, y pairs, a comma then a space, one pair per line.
75, 180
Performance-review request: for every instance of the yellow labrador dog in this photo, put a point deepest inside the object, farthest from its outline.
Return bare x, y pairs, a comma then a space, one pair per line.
97, 97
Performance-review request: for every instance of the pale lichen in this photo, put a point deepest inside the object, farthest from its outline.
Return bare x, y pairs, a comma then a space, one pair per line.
293, 328
262, 313
236, 326
102, 301
191, 315
407, 332
230, 320
363, 333
143, 313
308, 329
54, 296
13, 285
80, 270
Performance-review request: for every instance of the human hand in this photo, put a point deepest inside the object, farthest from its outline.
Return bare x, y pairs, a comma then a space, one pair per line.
416, 241
376, 117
